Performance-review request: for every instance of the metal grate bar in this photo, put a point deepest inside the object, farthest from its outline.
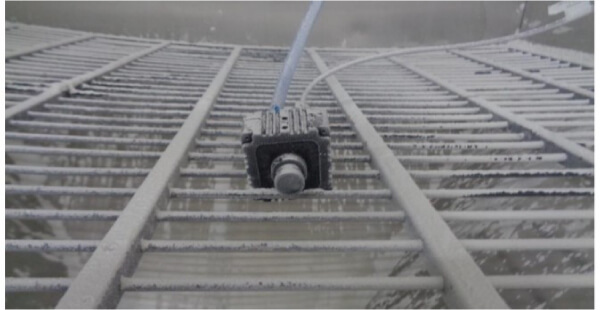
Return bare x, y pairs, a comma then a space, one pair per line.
557, 71
181, 246
404, 135
29, 75
500, 159
105, 119
561, 142
67, 190
354, 246
234, 145
240, 157
354, 283
506, 192
45, 46
371, 194
587, 108
536, 77
109, 132
215, 173
50, 31
36, 285
273, 194
58, 88
429, 126
118, 254
465, 283
20, 169
83, 139
129, 104
524, 46
199, 216
246, 194
125, 111
365, 283
80, 152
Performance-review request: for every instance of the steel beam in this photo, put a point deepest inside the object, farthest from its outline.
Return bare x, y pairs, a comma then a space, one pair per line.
557, 140
98, 283
465, 285
57, 89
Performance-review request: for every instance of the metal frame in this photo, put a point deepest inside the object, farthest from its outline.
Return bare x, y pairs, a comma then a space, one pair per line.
42, 47
524, 46
373, 119
98, 284
58, 88
562, 143
465, 284
537, 77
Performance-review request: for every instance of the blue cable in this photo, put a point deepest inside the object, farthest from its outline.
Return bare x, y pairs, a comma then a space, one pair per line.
296, 51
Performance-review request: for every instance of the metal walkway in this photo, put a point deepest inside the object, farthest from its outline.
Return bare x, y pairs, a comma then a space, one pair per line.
461, 178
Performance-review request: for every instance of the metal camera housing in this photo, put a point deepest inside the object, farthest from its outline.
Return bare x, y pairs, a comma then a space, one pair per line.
289, 151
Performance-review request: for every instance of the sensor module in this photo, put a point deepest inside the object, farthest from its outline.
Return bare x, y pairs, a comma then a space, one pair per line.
289, 148
289, 151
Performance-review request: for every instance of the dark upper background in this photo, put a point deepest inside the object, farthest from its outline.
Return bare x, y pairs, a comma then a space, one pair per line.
340, 24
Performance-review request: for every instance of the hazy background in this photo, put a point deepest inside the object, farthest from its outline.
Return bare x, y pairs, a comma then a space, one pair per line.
341, 24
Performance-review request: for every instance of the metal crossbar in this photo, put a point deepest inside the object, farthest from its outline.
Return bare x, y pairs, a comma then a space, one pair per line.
449, 173
303, 246
407, 283
138, 214
576, 90
441, 245
581, 59
198, 216
561, 142
46, 46
61, 87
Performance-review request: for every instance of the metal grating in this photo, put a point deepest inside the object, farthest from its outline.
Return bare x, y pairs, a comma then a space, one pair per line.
462, 178
20, 40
